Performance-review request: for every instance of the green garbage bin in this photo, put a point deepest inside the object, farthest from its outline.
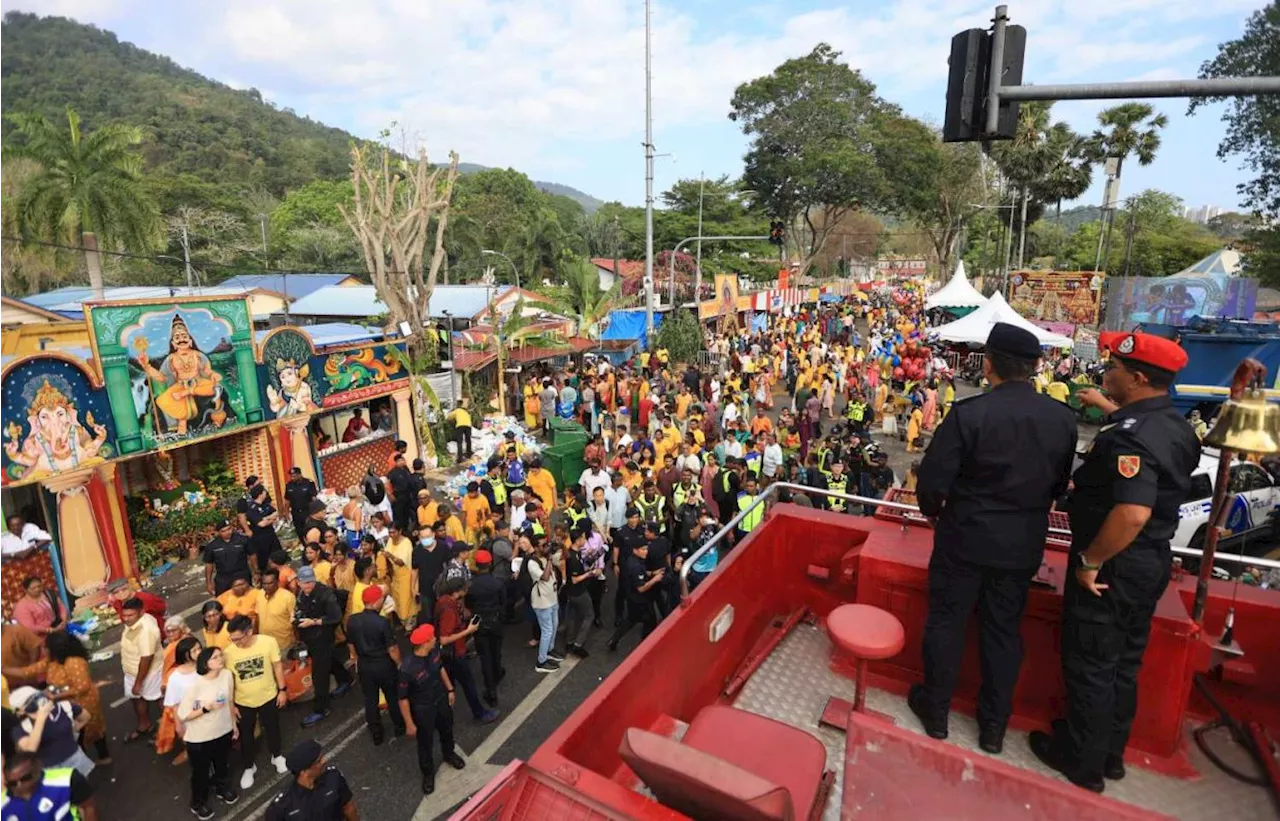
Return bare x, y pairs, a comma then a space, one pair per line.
565, 463
554, 463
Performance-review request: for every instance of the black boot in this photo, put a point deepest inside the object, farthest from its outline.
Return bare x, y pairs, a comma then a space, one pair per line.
1049, 751
1114, 767
454, 760
428, 783
991, 738
933, 726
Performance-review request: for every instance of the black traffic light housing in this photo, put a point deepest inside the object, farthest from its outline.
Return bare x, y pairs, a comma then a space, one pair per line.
777, 232
969, 80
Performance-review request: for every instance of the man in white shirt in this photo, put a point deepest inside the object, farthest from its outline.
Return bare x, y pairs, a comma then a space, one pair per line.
593, 477
732, 447
518, 514
21, 537
730, 413
771, 461
618, 498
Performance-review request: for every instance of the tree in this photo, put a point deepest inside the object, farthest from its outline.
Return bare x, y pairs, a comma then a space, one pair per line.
322, 247
1131, 129
1068, 172
681, 334
1253, 122
88, 189
214, 236
581, 298
814, 125
28, 268
1025, 161
394, 206
1231, 225
509, 331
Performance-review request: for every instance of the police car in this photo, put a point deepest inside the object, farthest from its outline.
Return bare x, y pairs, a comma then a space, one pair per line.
1253, 496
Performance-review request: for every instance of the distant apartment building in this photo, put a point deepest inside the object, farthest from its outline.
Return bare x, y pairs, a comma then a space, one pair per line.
1202, 214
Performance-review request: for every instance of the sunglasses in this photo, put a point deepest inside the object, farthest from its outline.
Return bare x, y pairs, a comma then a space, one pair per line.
13, 783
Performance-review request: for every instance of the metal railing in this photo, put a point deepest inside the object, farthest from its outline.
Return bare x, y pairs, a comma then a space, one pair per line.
908, 510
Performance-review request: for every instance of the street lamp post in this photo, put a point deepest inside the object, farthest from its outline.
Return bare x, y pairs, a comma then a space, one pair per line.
697, 286
453, 365
514, 273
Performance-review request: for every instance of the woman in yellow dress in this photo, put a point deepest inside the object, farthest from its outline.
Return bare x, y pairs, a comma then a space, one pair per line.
399, 553
532, 406
915, 424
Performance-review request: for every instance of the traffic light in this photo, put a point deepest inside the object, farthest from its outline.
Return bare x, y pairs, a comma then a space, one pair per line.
969, 80
777, 232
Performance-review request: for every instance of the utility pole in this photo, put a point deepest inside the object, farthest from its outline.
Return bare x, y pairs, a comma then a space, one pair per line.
1128, 240
697, 263
266, 266
648, 170
186, 258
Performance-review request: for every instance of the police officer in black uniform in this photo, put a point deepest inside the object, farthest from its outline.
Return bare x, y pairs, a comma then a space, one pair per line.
636, 582
990, 476
1124, 509
369, 633
319, 791
226, 558
625, 540
426, 702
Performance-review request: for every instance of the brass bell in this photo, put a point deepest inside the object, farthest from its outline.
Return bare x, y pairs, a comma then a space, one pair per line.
1250, 424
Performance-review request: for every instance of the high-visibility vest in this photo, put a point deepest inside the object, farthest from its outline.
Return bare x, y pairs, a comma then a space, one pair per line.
857, 411
499, 491
824, 453
754, 462
575, 516
724, 480
651, 510
52, 799
840, 485
681, 494
752, 519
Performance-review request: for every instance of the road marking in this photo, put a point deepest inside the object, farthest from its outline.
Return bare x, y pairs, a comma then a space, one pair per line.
452, 786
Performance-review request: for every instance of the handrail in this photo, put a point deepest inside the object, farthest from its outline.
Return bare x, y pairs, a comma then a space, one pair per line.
772, 490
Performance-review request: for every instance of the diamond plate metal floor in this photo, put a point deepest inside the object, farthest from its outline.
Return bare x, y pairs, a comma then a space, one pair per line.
794, 683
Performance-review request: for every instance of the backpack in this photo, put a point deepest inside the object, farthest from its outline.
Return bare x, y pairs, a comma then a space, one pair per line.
374, 491
515, 474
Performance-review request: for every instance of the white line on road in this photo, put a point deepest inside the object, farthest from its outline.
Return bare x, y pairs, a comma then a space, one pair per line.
452, 786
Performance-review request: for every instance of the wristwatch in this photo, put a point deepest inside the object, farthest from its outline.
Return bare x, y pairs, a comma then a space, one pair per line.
1084, 563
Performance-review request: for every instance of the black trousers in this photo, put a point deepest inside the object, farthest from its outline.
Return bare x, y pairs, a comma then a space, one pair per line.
463, 678
400, 511
637, 612
1103, 640
595, 589
955, 587
322, 666
429, 721
270, 715
210, 764
463, 436
378, 677
489, 649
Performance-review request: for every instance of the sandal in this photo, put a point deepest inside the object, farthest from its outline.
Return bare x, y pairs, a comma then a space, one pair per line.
180, 759
137, 735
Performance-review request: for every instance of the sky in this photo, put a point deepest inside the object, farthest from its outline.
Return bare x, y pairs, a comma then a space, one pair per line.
555, 88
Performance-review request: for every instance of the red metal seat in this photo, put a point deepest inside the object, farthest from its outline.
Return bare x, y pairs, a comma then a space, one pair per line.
867, 634
733, 766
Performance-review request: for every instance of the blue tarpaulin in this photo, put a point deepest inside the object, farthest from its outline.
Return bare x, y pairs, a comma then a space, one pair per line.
629, 325
830, 298
759, 322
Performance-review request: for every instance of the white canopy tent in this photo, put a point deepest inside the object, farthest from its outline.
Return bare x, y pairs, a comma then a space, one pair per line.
975, 327
958, 293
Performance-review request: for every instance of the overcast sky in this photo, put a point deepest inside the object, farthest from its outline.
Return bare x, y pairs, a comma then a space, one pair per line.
555, 88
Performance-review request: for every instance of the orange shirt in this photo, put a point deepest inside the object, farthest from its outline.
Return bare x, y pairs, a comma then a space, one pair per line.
542, 483
761, 424
475, 511
247, 605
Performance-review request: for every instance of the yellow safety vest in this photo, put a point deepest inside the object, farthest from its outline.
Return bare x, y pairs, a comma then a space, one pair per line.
575, 516
681, 494
752, 519
499, 491
857, 411
651, 511
841, 486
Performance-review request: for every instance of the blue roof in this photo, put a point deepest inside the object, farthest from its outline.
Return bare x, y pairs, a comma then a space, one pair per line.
66, 301
295, 286
333, 333
359, 301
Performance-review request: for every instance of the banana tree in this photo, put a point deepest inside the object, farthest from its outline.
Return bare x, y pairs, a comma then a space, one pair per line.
508, 333
580, 297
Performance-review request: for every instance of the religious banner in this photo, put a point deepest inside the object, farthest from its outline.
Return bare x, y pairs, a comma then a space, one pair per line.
725, 302
55, 419
1056, 296
292, 386
175, 370
361, 373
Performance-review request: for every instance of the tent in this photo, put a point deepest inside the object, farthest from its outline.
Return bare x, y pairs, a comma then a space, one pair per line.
975, 327
629, 324
1219, 264
958, 293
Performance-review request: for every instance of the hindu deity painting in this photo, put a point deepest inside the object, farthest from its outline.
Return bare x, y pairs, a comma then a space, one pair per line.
55, 420
291, 386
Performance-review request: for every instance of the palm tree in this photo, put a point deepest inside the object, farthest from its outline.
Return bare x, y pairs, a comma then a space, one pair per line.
509, 332
1023, 160
581, 298
1133, 128
88, 189
1069, 173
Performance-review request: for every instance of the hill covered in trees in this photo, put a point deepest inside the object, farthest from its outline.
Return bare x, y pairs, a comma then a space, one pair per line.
197, 130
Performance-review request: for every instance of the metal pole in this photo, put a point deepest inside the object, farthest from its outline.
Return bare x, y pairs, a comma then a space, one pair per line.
996, 71
1128, 242
697, 263
515, 272
648, 171
1022, 230
453, 365
1220, 87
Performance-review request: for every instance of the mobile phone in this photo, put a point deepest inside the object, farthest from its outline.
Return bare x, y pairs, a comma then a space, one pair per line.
475, 619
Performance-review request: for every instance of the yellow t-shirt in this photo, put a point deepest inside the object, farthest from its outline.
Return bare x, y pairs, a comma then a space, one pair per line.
324, 572
683, 401
543, 484
453, 529
251, 668
475, 511
644, 359
428, 514
275, 617
138, 642
219, 639
461, 418
1058, 390
250, 604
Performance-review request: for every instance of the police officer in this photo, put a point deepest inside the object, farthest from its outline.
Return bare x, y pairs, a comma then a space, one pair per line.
636, 581
369, 633
1124, 509
487, 598
299, 492
316, 616
625, 541
746, 499
652, 505
838, 481
426, 702
226, 558
990, 476
319, 792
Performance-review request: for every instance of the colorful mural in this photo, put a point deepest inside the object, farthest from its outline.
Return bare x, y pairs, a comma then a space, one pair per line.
291, 385
55, 420
1056, 296
176, 371
361, 373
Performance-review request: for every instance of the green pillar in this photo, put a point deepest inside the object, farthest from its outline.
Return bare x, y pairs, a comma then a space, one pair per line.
115, 372
248, 372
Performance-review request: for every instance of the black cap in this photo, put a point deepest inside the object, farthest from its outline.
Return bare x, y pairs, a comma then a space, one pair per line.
1013, 341
303, 755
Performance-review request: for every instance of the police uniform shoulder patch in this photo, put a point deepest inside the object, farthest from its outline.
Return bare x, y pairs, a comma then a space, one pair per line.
1126, 345
1128, 466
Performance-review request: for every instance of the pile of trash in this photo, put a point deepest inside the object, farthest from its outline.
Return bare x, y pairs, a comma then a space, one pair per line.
486, 441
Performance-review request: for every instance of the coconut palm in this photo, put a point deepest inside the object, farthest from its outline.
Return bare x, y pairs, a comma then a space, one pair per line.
1131, 129
1068, 173
1023, 160
88, 188
581, 298
514, 330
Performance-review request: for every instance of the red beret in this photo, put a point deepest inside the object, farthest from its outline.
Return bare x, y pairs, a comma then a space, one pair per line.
484, 557
371, 594
1148, 349
422, 634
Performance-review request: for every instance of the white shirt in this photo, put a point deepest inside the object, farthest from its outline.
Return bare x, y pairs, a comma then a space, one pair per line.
590, 481
518, 517
618, 499
543, 594
689, 462
31, 535
771, 460
730, 413
177, 687
732, 447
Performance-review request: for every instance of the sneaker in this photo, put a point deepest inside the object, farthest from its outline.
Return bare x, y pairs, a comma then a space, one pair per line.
341, 690
555, 656
547, 666
488, 717
246, 780
579, 651
313, 719
227, 796
201, 811
280, 765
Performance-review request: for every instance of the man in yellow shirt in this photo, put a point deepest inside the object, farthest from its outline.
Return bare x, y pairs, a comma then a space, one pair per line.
428, 509
542, 483
462, 430
257, 675
452, 524
241, 600
275, 613
140, 658
475, 511
683, 400
1058, 390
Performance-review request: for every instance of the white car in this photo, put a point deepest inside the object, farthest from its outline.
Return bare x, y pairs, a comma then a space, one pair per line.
1253, 495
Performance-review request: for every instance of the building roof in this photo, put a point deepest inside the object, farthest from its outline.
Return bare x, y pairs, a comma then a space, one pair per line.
67, 301
294, 286
21, 305
462, 301
333, 333
630, 268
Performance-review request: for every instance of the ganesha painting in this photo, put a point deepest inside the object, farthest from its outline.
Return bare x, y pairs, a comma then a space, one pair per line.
56, 436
